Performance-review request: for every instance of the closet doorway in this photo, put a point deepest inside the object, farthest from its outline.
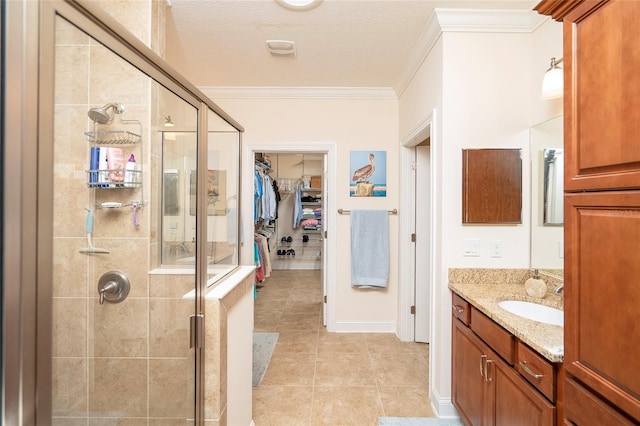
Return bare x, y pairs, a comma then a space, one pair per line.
300, 237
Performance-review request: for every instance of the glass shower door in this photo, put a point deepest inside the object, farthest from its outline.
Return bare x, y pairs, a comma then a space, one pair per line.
121, 323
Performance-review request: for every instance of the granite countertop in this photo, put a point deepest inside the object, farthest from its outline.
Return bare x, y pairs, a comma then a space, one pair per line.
546, 339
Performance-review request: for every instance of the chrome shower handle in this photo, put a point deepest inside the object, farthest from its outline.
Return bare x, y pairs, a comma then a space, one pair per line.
113, 287
110, 287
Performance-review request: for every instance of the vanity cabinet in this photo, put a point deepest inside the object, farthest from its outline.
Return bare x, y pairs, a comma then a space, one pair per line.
488, 389
602, 208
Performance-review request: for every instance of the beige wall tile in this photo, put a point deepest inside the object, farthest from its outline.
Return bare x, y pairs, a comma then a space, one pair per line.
69, 327
118, 329
119, 421
171, 285
70, 202
126, 255
66, 421
112, 79
118, 387
69, 387
69, 267
71, 74
169, 395
67, 33
70, 143
169, 327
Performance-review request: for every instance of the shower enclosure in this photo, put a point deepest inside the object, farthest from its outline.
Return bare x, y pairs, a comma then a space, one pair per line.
135, 220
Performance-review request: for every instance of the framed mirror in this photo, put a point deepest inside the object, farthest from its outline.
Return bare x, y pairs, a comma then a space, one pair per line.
547, 176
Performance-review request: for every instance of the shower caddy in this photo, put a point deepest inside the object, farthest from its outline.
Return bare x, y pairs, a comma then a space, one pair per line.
119, 138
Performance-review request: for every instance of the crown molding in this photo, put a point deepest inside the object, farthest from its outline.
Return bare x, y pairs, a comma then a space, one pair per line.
363, 93
465, 20
489, 21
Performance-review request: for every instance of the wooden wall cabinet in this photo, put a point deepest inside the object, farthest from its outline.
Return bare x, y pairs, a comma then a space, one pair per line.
602, 208
491, 186
487, 388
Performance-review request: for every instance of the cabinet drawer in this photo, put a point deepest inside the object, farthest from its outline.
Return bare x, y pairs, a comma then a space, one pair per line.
537, 370
497, 337
460, 308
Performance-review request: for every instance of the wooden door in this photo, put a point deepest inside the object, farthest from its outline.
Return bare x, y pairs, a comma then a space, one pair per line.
469, 395
513, 401
602, 327
602, 105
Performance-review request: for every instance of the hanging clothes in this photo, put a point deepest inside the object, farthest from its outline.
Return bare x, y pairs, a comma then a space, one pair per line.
297, 207
257, 194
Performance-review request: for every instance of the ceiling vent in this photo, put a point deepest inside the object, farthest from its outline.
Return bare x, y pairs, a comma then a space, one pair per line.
281, 48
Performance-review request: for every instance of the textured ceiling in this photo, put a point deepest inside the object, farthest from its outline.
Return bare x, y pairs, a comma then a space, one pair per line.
341, 43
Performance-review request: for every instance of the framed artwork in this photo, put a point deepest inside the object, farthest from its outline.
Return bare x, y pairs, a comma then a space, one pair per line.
368, 172
216, 192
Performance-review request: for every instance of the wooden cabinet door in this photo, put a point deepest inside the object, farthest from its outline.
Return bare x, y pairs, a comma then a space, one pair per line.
602, 268
514, 402
602, 105
468, 384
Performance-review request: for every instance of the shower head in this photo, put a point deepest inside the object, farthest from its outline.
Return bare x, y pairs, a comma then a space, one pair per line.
101, 115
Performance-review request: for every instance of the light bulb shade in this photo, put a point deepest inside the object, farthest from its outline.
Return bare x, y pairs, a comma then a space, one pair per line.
553, 83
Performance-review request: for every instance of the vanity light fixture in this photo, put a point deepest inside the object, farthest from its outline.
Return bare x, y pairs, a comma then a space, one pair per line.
281, 47
168, 122
553, 81
299, 4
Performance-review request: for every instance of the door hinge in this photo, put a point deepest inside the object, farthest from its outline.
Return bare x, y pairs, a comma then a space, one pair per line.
413, 238
325, 299
196, 331
413, 309
325, 235
414, 165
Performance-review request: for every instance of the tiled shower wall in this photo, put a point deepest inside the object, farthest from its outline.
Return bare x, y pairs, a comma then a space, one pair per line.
129, 360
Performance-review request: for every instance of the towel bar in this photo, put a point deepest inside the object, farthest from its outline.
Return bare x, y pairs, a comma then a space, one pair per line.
341, 211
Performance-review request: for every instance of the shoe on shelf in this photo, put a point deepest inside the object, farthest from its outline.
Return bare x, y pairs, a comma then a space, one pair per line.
289, 239
305, 238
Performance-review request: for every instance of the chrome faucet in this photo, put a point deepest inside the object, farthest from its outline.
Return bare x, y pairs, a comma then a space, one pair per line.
559, 289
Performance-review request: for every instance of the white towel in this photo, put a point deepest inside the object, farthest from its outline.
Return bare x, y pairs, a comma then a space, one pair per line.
369, 248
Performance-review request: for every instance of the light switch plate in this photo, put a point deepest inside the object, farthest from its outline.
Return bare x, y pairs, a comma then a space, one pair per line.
470, 247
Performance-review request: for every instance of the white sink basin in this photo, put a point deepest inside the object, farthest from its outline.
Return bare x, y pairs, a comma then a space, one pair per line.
534, 311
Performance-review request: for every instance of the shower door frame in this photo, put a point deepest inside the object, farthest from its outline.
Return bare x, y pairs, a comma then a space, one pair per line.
27, 271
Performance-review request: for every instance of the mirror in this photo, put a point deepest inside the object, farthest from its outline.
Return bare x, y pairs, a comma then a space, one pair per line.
547, 176
553, 187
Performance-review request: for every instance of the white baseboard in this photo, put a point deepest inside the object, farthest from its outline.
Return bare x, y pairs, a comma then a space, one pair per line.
365, 327
442, 407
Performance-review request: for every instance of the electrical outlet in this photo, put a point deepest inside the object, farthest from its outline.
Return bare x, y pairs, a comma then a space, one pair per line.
496, 248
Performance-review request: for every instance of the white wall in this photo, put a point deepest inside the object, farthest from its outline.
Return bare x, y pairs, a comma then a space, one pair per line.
490, 85
370, 124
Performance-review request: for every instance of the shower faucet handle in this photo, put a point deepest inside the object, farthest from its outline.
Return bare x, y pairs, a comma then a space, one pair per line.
113, 287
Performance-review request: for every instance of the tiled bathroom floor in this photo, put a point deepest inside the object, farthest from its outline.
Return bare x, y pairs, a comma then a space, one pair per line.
321, 378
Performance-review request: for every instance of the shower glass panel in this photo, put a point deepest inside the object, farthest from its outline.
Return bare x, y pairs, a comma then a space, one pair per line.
223, 153
120, 321
179, 196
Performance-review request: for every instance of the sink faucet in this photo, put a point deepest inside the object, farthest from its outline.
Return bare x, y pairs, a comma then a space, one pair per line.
559, 289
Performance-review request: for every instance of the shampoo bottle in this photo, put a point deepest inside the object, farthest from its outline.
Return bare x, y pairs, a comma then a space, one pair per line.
130, 174
116, 166
103, 169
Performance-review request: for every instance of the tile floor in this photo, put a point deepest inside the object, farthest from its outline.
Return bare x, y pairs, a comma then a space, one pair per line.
321, 378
